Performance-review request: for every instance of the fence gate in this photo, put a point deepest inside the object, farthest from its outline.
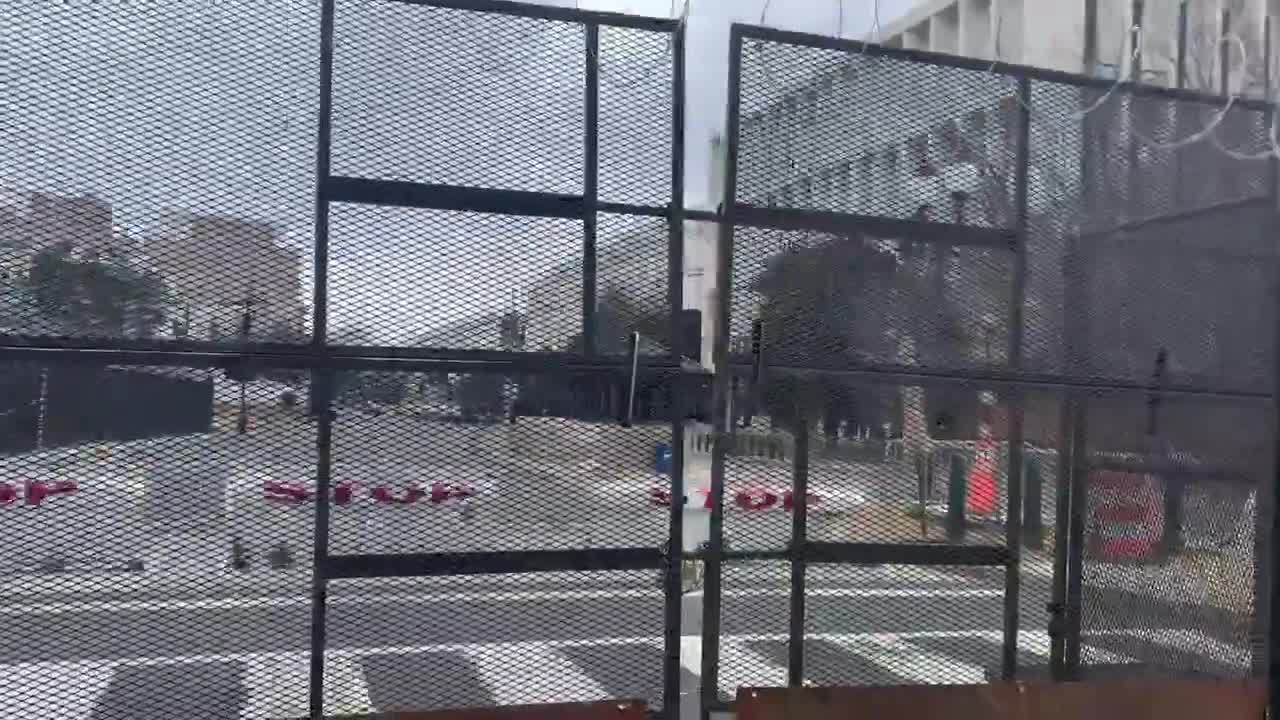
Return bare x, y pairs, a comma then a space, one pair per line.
409, 354
425, 381
941, 273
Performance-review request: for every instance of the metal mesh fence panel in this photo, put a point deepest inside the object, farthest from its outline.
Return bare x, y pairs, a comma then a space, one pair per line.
161, 187
1171, 512
443, 279
820, 133
1126, 219
1149, 229
631, 285
830, 301
1208, 343
454, 467
133, 584
754, 619
486, 640
635, 116
126, 212
631, 289
438, 95
901, 625
885, 464
1045, 478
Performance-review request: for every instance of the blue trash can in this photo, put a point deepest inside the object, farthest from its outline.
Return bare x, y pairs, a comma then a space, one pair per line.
662, 458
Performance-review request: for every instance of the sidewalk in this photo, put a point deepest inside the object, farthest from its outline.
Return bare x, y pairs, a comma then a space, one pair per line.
1191, 578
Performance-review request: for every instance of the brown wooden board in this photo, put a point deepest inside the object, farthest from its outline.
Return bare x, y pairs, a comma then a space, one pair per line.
1137, 699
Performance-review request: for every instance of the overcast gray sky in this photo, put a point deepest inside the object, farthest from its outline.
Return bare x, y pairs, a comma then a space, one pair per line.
211, 107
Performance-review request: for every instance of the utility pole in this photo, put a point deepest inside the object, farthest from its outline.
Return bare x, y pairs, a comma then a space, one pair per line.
43, 408
246, 325
1090, 36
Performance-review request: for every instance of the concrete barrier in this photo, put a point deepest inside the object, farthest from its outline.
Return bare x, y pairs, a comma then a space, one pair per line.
389, 509
82, 519
559, 440
777, 445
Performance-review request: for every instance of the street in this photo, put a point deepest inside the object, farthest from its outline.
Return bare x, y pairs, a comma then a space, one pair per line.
462, 642
247, 657
189, 636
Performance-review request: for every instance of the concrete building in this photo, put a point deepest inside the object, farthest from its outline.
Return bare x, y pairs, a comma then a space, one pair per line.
631, 266
83, 222
35, 222
1051, 34
215, 265
847, 133
503, 330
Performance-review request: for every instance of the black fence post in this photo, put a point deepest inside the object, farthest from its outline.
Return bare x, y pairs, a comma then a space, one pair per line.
957, 489
1179, 109
1267, 522
672, 669
321, 380
799, 540
1061, 529
321, 398
591, 174
1032, 504
1016, 399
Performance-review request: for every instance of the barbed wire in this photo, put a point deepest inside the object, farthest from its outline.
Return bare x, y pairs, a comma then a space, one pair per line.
760, 44
682, 22
1136, 37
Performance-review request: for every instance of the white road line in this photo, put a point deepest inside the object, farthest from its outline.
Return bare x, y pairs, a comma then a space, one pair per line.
278, 683
871, 592
535, 673
346, 691
236, 603
53, 689
1037, 642
1190, 641
513, 649
532, 671
913, 662
741, 666
278, 686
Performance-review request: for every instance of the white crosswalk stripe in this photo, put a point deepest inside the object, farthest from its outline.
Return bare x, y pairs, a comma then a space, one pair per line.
276, 683
531, 673
53, 689
913, 662
346, 689
740, 665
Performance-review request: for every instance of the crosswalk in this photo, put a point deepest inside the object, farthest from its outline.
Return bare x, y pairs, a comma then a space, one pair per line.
374, 679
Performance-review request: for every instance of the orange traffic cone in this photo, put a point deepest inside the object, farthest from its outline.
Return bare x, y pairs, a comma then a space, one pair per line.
981, 496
